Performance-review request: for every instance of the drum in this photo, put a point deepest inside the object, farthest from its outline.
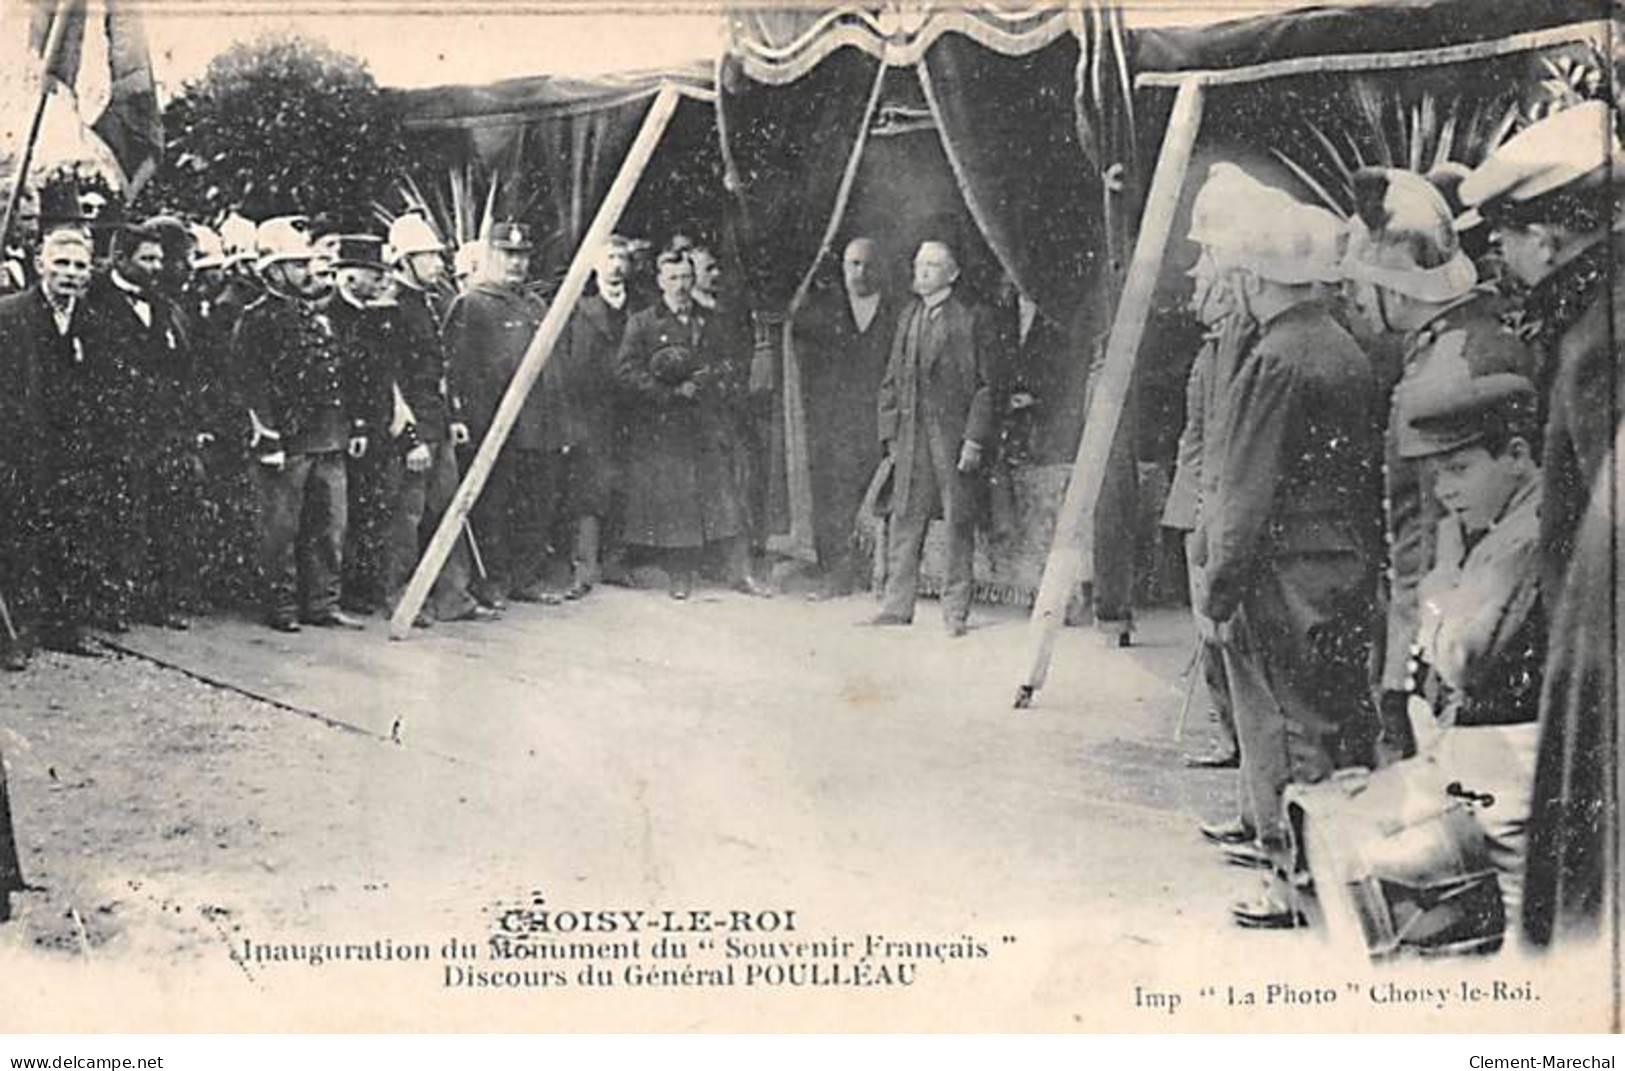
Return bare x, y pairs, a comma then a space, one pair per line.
1395, 862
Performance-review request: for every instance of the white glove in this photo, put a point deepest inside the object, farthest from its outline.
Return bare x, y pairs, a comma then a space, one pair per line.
418, 458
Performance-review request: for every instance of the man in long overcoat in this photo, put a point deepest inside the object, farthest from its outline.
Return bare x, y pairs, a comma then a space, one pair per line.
935, 413
682, 492
585, 426
844, 339
486, 332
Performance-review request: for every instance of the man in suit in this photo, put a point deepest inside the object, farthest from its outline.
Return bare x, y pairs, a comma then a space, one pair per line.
136, 325
844, 341
291, 370
584, 428
683, 498
45, 495
1288, 547
486, 333
935, 415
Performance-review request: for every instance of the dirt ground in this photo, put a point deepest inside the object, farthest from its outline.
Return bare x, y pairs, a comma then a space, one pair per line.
627, 752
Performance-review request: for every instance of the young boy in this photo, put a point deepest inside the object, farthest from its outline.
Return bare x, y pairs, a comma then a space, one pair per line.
1480, 643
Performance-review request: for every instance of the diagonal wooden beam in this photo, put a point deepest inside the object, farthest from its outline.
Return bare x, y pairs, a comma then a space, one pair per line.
530, 366
1071, 551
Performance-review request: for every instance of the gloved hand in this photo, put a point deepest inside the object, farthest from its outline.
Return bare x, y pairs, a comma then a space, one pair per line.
418, 458
275, 460
970, 456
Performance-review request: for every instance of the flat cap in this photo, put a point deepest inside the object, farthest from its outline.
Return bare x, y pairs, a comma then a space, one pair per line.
1448, 413
1576, 147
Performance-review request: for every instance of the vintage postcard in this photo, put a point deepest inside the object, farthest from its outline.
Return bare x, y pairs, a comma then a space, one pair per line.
941, 517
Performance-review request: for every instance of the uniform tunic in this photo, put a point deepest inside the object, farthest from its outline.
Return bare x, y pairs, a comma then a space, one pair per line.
1468, 337
486, 333
1288, 549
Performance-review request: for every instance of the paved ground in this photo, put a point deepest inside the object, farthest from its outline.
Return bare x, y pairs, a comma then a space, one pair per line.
627, 753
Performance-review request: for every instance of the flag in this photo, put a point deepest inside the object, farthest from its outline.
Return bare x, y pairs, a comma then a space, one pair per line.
102, 62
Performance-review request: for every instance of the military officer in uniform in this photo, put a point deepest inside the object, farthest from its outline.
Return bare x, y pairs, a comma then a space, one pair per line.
363, 328
487, 331
1288, 543
935, 412
585, 425
425, 428
291, 371
1550, 196
1410, 277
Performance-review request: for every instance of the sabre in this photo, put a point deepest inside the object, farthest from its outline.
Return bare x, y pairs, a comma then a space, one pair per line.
474, 551
1198, 655
5, 619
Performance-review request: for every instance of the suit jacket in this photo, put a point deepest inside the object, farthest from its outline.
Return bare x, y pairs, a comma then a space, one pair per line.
1299, 477
160, 377
946, 395
30, 350
368, 338
486, 333
578, 383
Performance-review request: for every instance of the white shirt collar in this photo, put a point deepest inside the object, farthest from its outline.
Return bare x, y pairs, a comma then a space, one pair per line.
615, 298
128, 287
704, 300
935, 300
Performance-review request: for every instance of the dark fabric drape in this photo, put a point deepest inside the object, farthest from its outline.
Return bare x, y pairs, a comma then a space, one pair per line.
787, 148
1007, 123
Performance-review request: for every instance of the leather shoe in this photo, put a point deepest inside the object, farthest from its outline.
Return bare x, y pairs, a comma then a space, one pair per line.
14, 659
478, 613
682, 584
173, 622
751, 586
333, 619
1265, 913
579, 590
283, 624
1231, 832
1217, 759
1247, 855
535, 593
882, 620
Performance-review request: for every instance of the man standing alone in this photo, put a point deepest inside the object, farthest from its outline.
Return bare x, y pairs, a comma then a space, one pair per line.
936, 419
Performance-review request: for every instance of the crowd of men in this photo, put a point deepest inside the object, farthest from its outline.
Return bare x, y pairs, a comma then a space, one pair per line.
1394, 430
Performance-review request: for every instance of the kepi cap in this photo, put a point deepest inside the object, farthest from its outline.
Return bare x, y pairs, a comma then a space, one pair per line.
1448, 413
510, 235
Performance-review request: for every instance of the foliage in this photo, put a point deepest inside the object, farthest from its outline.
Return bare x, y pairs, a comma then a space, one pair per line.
279, 124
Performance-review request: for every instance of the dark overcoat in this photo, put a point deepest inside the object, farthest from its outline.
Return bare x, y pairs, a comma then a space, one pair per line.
486, 333
680, 482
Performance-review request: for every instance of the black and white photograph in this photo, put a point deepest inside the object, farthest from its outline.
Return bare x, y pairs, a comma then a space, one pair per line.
1046, 516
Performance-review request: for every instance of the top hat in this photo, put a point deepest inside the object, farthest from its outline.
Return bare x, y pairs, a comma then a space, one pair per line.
354, 250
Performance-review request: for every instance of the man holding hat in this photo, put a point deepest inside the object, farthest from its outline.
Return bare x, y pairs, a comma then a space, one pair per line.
1410, 278
291, 371
1551, 198
486, 333
1481, 634
1287, 547
425, 426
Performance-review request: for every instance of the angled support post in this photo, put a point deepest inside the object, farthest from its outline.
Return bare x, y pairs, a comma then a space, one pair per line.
530, 366
1071, 555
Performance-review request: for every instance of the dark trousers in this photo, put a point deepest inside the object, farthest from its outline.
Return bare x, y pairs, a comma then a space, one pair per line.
907, 530
510, 522
1213, 672
373, 487
11, 871
85, 518
303, 512
19, 559
161, 557
421, 500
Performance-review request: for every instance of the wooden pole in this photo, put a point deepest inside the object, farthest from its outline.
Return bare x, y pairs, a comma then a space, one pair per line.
1071, 551
541, 347
53, 45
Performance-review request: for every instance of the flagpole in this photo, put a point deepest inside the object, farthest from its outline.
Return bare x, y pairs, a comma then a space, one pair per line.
53, 45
